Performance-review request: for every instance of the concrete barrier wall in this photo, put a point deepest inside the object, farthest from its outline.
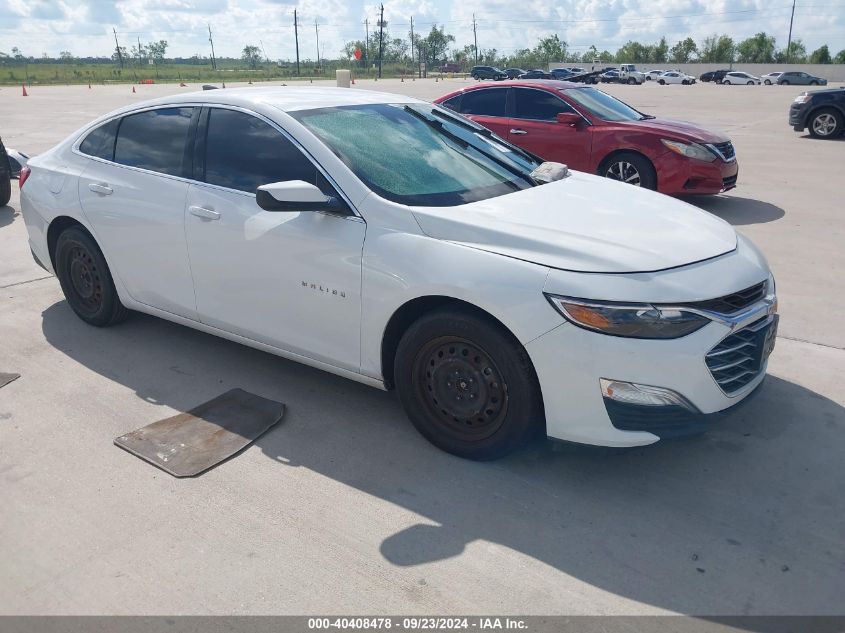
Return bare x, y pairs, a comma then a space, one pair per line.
831, 72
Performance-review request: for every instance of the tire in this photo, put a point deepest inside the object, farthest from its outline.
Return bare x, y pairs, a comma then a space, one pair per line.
631, 81
634, 169
648, 78
825, 123
685, 83
767, 82
5, 191
814, 83
86, 280
452, 355
749, 83
662, 82
783, 83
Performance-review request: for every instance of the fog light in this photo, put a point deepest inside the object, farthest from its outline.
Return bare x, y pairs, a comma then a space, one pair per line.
643, 395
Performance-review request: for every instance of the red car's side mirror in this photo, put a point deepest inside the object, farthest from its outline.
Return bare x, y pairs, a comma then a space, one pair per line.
568, 118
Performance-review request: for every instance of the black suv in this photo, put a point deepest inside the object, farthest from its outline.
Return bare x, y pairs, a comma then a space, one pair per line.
487, 72
714, 75
820, 111
5, 176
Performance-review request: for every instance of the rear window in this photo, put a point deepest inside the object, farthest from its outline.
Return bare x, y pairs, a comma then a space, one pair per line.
100, 141
154, 140
489, 102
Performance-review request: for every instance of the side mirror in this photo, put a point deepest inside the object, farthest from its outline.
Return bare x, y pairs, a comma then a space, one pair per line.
296, 195
568, 118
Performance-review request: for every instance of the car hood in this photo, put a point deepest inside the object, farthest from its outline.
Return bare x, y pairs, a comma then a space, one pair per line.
584, 223
679, 130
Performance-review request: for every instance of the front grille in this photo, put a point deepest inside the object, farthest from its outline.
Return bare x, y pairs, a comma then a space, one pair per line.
740, 357
729, 182
732, 303
725, 150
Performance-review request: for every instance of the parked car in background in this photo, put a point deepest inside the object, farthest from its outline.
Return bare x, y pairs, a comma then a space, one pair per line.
487, 72
651, 75
610, 76
17, 161
581, 311
535, 73
5, 177
739, 78
822, 112
591, 131
628, 74
561, 73
513, 73
715, 76
675, 77
450, 67
770, 78
799, 78
576, 70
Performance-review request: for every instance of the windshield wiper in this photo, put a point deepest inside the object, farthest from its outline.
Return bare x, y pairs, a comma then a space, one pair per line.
464, 144
483, 131
647, 116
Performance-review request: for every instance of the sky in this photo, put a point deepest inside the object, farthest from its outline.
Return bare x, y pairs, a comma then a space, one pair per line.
85, 27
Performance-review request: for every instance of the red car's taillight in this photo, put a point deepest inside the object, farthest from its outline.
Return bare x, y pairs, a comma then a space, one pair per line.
25, 171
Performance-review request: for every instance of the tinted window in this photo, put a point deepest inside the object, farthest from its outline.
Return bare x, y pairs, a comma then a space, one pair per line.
490, 102
538, 105
453, 104
100, 141
154, 140
243, 152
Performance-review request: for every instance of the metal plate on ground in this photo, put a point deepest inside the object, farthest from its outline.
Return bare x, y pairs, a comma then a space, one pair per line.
190, 443
5, 379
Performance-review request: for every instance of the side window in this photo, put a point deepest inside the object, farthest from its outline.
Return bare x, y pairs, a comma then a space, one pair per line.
100, 141
243, 152
538, 105
486, 102
154, 140
453, 104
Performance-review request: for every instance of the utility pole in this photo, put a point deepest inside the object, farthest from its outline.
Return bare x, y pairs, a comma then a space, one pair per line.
139, 51
789, 40
117, 48
475, 39
412, 40
211, 41
380, 39
367, 47
317, 31
296, 36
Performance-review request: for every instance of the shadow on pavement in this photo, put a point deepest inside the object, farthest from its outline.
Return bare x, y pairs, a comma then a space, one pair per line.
748, 519
7, 215
738, 211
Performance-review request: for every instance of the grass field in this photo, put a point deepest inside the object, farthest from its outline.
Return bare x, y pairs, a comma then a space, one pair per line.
83, 73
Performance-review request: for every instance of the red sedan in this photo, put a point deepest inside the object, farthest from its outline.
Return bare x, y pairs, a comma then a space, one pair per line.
591, 131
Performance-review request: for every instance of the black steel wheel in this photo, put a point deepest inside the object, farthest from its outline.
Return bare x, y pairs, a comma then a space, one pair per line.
467, 385
86, 280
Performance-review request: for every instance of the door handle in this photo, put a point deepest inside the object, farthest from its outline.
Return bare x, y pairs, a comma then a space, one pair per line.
206, 214
99, 188
517, 131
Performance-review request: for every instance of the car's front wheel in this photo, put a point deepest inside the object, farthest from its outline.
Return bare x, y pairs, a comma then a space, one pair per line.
468, 385
767, 82
662, 82
86, 280
685, 82
628, 167
783, 83
814, 83
826, 123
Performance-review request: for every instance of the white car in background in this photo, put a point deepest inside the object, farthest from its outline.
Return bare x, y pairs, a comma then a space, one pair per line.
675, 77
770, 78
651, 75
393, 242
739, 78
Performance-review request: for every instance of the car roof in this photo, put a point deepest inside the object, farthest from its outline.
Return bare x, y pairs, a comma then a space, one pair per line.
548, 84
285, 98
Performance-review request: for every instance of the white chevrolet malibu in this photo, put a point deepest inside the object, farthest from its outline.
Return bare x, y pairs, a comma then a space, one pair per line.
395, 243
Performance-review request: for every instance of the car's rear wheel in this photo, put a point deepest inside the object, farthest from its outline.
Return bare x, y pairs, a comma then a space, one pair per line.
628, 167
783, 83
631, 81
662, 82
749, 83
467, 385
826, 123
767, 82
5, 190
86, 280
685, 82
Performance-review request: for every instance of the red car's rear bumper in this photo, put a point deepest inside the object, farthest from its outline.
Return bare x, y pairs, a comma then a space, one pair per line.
679, 175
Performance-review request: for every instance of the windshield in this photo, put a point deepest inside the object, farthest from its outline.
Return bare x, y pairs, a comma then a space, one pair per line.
420, 154
604, 106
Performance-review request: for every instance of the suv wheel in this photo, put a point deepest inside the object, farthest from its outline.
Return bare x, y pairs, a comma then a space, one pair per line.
826, 123
86, 280
467, 385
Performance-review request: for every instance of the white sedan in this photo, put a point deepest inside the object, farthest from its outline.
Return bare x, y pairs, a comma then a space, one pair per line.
675, 77
651, 75
395, 243
740, 79
770, 78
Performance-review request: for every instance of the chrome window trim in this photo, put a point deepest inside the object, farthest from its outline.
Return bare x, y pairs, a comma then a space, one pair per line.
75, 149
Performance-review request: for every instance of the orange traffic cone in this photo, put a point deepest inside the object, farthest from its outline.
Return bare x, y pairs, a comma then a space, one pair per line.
24, 90
133, 88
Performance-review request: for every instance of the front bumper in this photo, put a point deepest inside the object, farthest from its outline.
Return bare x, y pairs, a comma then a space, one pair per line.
679, 175
570, 363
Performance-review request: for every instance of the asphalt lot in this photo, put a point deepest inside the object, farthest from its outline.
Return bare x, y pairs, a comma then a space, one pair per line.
344, 508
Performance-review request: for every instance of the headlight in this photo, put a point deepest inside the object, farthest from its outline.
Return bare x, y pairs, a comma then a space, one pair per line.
690, 150
641, 320
802, 98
